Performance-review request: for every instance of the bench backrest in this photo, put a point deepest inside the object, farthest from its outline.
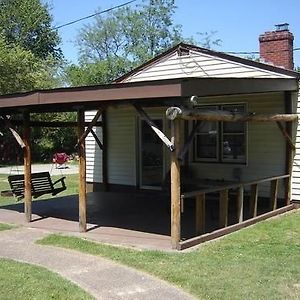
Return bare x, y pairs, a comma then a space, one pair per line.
40, 183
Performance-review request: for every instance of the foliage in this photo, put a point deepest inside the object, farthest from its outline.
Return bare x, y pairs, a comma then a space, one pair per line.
260, 262
21, 71
124, 39
27, 23
47, 141
24, 281
30, 59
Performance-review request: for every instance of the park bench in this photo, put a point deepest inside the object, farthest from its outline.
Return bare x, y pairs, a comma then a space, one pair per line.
41, 184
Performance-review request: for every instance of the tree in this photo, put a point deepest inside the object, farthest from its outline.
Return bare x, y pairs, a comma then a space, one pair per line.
30, 58
27, 23
21, 71
123, 39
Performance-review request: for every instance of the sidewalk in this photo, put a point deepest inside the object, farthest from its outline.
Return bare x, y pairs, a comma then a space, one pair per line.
102, 278
36, 168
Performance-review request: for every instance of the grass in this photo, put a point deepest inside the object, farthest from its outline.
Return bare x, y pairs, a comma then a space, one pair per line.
24, 281
71, 183
5, 226
260, 262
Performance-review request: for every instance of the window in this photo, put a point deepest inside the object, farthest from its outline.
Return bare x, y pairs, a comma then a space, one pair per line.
221, 141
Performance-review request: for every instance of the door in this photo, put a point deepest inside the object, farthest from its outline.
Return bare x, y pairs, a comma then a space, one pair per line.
151, 156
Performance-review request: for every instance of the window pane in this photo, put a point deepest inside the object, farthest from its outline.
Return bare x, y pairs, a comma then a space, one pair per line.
208, 127
234, 147
234, 127
206, 146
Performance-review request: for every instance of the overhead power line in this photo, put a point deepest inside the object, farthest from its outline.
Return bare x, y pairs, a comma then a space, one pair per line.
93, 15
257, 52
132, 1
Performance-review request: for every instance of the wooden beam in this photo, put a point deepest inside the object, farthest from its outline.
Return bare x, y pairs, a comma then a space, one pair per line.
274, 194
97, 139
200, 214
153, 126
104, 152
89, 127
27, 168
175, 187
286, 135
223, 208
240, 204
82, 173
230, 186
189, 141
225, 116
289, 151
253, 200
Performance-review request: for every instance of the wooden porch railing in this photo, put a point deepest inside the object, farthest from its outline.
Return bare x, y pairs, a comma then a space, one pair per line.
223, 200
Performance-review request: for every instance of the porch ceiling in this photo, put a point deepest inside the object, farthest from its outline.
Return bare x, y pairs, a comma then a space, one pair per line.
90, 97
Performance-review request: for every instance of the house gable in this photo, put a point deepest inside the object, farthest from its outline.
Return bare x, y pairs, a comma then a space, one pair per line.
185, 61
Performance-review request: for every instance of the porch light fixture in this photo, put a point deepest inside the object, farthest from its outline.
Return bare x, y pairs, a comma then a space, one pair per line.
195, 100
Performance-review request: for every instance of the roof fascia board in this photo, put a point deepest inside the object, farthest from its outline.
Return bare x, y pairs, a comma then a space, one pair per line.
232, 86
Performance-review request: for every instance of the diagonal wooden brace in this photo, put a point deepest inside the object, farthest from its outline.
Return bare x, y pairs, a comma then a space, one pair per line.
153, 126
97, 139
13, 132
89, 128
286, 135
189, 140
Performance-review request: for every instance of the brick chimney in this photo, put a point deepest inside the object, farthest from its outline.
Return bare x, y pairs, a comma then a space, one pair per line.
276, 47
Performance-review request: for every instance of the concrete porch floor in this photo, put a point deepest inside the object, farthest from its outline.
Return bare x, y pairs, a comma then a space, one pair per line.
131, 219
137, 218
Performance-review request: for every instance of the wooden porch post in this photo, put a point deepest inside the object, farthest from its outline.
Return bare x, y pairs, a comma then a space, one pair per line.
104, 151
200, 214
253, 200
240, 204
175, 186
82, 173
27, 167
289, 150
223, 209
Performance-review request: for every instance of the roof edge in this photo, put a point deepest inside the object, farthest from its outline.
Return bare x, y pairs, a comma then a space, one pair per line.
219, 54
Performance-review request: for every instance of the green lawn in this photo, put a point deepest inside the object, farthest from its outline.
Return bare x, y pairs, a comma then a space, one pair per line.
5, 226
23, 281
71, 183
260, 262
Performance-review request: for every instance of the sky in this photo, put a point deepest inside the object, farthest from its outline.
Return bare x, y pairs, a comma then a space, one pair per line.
237, 23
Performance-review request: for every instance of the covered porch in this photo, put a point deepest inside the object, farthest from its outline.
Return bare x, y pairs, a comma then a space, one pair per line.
174, 216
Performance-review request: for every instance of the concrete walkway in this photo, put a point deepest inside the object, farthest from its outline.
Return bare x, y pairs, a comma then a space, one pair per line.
100, 277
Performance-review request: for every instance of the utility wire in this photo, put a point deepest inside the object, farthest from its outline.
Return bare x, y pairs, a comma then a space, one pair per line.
257, 52
93, 15
132, 1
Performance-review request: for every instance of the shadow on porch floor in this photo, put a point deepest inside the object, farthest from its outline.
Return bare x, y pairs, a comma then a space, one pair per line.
138, 218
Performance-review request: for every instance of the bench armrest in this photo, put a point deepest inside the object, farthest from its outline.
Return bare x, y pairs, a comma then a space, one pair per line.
62, 180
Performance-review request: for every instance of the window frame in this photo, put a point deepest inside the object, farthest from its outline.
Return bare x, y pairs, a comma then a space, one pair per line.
220, 138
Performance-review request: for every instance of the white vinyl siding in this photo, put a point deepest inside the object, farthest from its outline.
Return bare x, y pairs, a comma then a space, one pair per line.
93, 152
122, 164
266, 144
296, 166
199, 65
121, 132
